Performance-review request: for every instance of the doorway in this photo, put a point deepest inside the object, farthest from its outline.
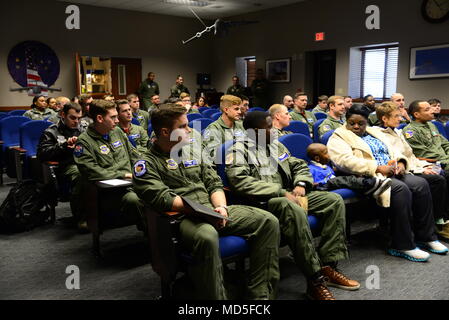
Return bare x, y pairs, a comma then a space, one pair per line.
320, 74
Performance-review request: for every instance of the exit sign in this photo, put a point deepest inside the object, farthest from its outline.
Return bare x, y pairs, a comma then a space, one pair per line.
319, 36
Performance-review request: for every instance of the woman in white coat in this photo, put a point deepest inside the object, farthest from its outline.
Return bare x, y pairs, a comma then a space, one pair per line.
363, 151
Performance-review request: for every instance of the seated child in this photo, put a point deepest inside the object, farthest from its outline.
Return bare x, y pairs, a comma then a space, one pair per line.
325, 179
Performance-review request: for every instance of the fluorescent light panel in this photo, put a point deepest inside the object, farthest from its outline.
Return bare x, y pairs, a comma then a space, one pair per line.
192, 3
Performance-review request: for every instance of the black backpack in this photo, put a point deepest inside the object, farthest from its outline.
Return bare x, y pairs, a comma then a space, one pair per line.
24, 208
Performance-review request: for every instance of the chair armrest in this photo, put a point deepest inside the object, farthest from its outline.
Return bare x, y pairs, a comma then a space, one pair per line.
428, 160
19, 149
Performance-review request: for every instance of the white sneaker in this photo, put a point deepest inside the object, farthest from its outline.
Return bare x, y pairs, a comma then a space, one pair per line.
384, 185
416, 254
433, 246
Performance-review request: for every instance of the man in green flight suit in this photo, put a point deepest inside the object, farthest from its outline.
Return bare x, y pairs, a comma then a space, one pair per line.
167, 173
227, 127
280, 118
142, 116
178, 88
322, 105
263, 170
155, 101
147, 89
399, 100
236, 89
427, 143
104, 152
137, 135
299, 112
261, 90
334, 119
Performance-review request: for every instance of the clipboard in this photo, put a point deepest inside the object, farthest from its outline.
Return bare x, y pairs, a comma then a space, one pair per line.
203, 211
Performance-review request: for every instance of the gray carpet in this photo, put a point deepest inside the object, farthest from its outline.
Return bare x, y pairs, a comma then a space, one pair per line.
33, 266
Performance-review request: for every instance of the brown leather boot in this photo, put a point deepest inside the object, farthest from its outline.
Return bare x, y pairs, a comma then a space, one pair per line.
338, 279
317, 290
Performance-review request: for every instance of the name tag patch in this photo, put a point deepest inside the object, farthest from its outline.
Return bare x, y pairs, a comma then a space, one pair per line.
238, 133
135, 136
310, 120
284, 156
117, 144
190, 163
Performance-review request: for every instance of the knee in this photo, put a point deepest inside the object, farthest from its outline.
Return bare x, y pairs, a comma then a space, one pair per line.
206, 237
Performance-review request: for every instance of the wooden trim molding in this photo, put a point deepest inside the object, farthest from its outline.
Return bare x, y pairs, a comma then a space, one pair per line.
7, 109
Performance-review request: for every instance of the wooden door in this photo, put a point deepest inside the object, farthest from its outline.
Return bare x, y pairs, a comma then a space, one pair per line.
126, 74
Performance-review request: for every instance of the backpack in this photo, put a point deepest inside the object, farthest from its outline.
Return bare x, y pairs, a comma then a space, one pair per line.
24, 208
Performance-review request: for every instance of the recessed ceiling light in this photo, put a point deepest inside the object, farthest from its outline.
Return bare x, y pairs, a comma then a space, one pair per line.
192, 3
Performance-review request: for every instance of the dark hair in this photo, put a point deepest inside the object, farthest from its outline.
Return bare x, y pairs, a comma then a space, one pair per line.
71, 105
165, 116
119, 103
33, 105
100, 107
358, 109
243, 97
347, 97
414, 107
298, 94
255, 119
367, 96
433, 101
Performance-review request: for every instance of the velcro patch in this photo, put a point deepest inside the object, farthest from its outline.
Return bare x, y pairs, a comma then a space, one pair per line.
78, 151
408, 134
104, 149
283, 156
190, 163
117, 144
140, 168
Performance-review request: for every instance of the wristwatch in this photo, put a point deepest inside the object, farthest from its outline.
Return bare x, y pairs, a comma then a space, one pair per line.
224, 207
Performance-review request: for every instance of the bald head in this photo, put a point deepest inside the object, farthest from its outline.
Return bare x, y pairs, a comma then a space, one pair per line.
288, 102
318, 152
280, 116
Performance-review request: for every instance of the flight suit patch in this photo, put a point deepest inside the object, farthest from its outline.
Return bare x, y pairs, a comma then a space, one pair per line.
229, 158
238, 133
326, 127
139, 168
117, 144
310, 120
104, 149
135, 136
78, 151
171, 164
190, 163
408, 134
283, 156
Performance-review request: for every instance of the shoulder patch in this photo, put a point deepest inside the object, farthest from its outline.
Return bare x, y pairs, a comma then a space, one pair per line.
229, 158
283, 156
326, 127
117, 144
104, 149
78, 150
206, 134
171, 164
408, 134
140, 168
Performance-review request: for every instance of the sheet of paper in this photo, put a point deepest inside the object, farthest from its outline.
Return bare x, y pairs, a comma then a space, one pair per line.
115, 182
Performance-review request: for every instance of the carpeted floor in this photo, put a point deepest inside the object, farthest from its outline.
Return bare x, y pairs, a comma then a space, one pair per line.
33, 266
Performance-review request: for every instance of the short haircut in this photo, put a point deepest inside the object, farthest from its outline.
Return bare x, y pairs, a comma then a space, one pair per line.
179, 76
131, 96
323, 98
367, 97
433, 101
120, 103
71, 105
345, 97
165, 116
275, 108
314, 149
62, 100
49, 98
332, 99
255, 120
100, 107
173, 100
414, 107
235, 77
358, 109
184, 95
385, 109
298, 94
228, 100
84, 97
243, 97
150, 73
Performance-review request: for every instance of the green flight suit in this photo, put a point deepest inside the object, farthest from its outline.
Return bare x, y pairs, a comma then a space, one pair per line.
237, 90
318, 109
308, 117
151, 107
217, 133
146, 90
281, 132
138, 137
143, 117
261, 93
47, 114
266, 178
427, 142
176, 90
108, 157
329, 124
158, 179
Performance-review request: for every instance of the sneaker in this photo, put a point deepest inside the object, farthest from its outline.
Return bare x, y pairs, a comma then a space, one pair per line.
317, 290
415, 255
433, 246
337, 279
443, 231
383, 186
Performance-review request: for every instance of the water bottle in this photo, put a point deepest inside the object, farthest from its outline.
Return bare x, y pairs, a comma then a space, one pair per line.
436, 167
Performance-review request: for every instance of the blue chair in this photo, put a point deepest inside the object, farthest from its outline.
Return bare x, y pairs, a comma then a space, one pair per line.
215, 106
150, 129
440, 128
297, 144
320, 115
202, 109
200, 123
135, 121
194, 116
17, 112
402, 125
325, 138
215, 116
4, 115
209, 113
297, 126
316, 125
256, 109
446, 127
220, 161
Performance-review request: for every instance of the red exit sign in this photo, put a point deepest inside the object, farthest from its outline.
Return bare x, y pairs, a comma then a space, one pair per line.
319, 36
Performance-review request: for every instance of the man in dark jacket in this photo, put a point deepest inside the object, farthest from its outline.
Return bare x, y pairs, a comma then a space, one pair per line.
56, 144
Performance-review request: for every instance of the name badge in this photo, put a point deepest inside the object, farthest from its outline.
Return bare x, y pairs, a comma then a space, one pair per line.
190, 163
284, 156
238, 133
135, 136
117, 144
310, 120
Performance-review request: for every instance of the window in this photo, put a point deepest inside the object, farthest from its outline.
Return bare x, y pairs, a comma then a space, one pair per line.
373, 70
